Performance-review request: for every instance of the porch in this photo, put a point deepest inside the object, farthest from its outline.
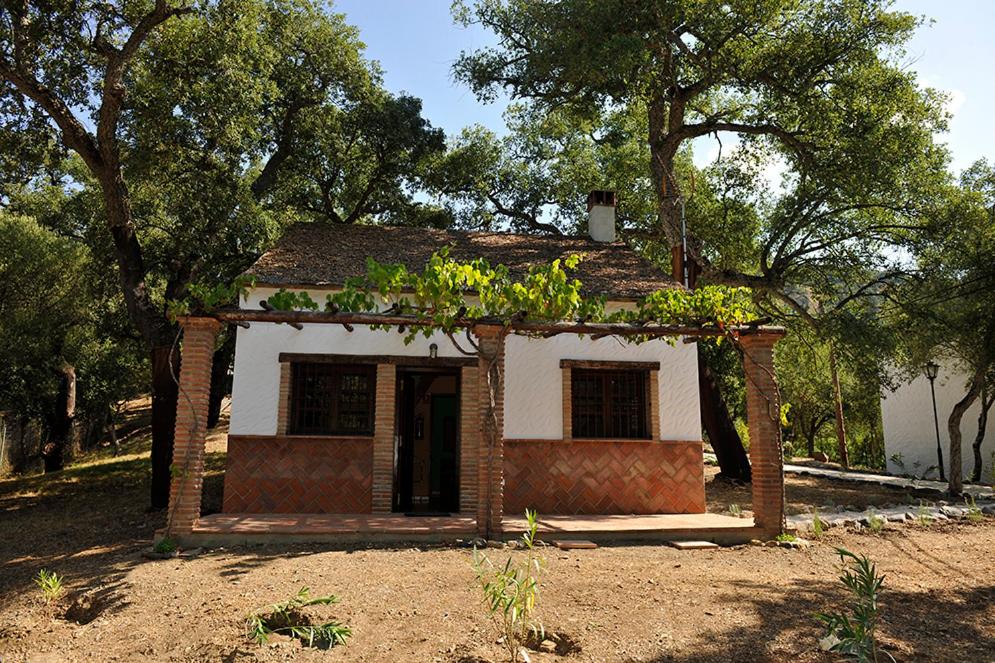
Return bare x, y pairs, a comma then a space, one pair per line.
246, 528
579, 476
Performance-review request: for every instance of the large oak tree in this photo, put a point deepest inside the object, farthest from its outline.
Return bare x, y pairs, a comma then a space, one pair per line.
204, 127
816, 87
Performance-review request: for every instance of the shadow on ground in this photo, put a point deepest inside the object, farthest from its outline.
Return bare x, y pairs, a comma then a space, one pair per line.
788, 629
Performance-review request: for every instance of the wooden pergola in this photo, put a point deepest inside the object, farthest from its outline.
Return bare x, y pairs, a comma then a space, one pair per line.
487, 336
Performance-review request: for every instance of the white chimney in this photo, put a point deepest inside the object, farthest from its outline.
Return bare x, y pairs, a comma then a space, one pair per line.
601, 215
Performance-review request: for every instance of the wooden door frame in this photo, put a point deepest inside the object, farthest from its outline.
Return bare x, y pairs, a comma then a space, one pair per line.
398, 503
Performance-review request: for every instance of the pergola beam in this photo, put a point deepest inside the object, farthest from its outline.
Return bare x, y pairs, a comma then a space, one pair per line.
518, 326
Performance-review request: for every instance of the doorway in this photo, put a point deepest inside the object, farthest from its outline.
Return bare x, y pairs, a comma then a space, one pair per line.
426, 478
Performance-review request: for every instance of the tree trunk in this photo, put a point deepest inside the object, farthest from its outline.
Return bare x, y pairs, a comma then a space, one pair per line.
112, 429
733, 460
979, 439
810, 441
220, 363
165, 392
955, 479
838, 404
54, 451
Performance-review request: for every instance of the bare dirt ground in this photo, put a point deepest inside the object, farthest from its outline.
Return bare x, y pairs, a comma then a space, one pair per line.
626, 603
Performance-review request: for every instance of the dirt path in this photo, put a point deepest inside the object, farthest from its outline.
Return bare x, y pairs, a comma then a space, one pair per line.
406, 604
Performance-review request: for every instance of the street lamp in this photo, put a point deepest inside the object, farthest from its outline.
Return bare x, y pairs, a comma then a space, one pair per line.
932, 370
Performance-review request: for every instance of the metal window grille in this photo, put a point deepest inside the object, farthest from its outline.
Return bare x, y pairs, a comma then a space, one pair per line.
610, 403
332, 399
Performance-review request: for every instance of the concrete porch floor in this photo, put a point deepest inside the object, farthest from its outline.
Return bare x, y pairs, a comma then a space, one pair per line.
658, 527
234, 528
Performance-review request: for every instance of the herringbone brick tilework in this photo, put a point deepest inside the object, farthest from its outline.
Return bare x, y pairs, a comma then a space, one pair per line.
603, 477
298, 475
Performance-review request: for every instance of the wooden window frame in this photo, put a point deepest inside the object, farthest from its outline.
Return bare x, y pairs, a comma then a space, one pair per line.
651, 370
294, 381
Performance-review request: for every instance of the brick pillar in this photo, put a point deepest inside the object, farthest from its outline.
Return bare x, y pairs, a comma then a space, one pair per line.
490, 476
763, 407
191, 423
283, 407
383, 439
568, 417
469, 440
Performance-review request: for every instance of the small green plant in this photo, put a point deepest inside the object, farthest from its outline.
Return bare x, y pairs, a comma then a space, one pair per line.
818, 527
165, 546
288, 618
511, 592
852, 632
50, 584
785, 537
735, 510
923, 515
972, 510
875, 521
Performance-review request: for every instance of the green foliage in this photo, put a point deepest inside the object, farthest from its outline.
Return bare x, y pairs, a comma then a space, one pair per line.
205, 298
735, 510
58, 308
287, 618
951, 305
165, 546
785, 537
284, 300
511, 591
818, 527
972, 510
448, 292
853, 632
50, 584
875, 521
923, 516
804, 379
614, 81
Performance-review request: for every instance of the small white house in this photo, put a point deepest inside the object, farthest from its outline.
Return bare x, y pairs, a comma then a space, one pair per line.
910, 427
334, 419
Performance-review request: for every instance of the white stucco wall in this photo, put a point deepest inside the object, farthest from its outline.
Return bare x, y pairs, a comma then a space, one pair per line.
533, 380
909, 429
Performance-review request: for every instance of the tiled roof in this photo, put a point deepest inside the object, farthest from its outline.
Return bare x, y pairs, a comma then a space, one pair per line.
319, 254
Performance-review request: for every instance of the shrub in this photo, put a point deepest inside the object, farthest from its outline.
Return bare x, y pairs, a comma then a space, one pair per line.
165, 546
735, 510
785, 537
511, 592
818, 527
875, 522
973, 511
923, 516
852, 632
50, 584
287, 618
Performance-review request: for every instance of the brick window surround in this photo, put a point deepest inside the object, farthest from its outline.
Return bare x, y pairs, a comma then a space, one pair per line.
651, 370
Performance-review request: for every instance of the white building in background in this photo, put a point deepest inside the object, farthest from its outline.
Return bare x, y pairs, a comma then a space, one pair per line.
910, 430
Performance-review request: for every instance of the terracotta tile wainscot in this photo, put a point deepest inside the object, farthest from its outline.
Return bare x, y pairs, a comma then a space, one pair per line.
298, 474
572, 477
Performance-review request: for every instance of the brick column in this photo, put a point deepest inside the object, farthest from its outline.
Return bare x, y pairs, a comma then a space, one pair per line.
654, 399
568, 417
763, 406
283, 407
383, 438
490, 476
190, 435
469, 453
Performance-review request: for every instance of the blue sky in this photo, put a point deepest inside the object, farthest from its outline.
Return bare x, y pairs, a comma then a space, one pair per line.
416, 43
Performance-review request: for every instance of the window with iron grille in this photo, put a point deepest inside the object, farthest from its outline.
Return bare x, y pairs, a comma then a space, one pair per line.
332, 399
610, 403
